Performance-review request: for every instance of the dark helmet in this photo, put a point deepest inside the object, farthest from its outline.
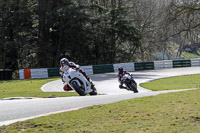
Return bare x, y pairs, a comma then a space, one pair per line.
120, 69
64, 61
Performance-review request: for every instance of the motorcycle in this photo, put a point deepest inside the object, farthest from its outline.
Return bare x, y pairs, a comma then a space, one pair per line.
130, 83
77, 81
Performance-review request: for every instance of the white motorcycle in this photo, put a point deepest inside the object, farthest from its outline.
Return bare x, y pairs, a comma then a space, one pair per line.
78, 82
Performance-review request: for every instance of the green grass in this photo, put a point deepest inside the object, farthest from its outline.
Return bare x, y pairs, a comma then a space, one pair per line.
187, 55
179, 82
29, 88
166, 113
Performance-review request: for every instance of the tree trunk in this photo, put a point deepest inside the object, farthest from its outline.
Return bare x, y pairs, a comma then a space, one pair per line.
43, 34
1, 37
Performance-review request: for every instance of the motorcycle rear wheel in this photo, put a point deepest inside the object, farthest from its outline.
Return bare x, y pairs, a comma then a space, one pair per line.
78, 89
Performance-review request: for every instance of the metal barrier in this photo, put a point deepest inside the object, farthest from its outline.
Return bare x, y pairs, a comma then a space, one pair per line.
53, 72
106, 68
5, 74
144, 66
195, 62
87, 69
163, 64
181, 63
130, 67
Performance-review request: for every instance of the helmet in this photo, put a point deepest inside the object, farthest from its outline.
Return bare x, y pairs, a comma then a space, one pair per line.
120, 69
64, 61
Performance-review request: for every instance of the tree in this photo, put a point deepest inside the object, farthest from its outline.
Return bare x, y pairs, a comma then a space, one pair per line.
114, 32
16, 33
184, 20
43, 38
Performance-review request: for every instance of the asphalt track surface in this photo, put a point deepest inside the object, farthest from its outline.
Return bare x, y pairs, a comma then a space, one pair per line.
108, 92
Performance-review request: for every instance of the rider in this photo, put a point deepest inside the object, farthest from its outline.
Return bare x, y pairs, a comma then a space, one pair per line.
65, 65
121, 73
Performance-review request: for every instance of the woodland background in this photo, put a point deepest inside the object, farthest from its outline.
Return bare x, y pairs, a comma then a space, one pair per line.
38, 33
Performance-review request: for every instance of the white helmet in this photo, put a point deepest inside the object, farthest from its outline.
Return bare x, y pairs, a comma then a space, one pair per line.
64, 61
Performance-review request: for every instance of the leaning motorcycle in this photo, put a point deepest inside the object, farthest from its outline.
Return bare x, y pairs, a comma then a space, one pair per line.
77, 81
130, 83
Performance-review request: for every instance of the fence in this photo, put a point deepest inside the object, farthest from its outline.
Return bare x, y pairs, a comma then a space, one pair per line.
181, 63
97, 69
195, 62
144, 66
163, 64
107, 68
5, 74
127, 66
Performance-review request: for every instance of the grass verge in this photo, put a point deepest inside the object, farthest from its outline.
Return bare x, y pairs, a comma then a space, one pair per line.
166, 113
173, 83
174, 112
28, 88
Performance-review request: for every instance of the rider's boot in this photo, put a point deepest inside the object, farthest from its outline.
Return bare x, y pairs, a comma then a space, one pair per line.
122, 87
67, 88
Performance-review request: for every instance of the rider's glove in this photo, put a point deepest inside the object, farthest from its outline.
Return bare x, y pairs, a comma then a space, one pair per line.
77, 67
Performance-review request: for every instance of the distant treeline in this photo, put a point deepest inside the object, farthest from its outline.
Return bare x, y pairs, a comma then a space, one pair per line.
38, 33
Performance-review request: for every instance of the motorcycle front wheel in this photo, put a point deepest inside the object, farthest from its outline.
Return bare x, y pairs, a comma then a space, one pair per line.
78, 89
134, 87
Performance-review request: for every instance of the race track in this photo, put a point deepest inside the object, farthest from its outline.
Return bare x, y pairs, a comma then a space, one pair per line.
107, 87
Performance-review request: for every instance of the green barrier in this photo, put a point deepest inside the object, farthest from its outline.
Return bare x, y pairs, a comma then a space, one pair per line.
181, 63
106, 68
144, 66
53, 72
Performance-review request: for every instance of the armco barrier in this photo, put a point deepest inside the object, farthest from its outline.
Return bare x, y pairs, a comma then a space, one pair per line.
106, 68
39, 73
33, 73
5, 74
46, 72
163, 64
27, 73
144, 66
53, 72
21, 74
195, 62
181, 63
88, 69
130, 67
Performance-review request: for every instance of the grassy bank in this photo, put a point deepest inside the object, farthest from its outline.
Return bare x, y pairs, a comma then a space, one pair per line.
28, 88
187, 55
173, 83
167, 113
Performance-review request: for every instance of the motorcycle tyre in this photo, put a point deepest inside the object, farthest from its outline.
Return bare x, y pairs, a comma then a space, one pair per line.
94, 92
134, 87
78, 89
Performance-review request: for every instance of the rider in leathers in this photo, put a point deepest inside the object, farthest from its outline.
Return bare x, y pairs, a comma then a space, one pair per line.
65, 65
121, 73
